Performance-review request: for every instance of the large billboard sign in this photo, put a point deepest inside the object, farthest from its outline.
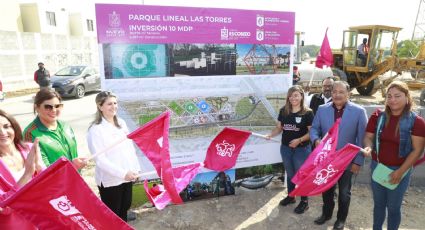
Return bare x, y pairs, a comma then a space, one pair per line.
210, 67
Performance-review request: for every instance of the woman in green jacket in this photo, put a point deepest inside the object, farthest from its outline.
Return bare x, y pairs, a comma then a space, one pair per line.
56, 138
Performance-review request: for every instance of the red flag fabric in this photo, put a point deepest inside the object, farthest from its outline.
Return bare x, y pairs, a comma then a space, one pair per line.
58, 198
325, 56
152, 139
224, 149
325, 149
10, 219
160, 197
325, 175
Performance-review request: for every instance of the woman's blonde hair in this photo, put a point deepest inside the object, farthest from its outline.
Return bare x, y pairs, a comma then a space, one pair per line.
100, 99
288, 107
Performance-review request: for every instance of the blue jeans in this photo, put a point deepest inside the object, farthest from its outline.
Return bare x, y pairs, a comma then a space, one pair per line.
292, 159
385, 199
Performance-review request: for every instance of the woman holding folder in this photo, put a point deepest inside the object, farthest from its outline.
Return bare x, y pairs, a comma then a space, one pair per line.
395, 137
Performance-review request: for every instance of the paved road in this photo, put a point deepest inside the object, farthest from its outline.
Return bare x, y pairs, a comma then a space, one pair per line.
78, 113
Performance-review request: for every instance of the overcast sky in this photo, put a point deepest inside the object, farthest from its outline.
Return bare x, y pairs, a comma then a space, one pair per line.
313, 16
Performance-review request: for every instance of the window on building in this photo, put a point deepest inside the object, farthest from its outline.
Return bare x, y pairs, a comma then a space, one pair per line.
51, 19
90, 25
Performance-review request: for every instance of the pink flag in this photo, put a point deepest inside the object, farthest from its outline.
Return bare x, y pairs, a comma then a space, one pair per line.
159, 195
152, 139
325, 56
10, 219
325, 175
58, 198
325, 149
224, 149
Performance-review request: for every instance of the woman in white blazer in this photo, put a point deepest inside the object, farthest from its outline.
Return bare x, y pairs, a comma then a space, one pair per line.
118, 167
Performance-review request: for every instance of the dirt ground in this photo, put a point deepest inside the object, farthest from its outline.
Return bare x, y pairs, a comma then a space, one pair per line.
260, 209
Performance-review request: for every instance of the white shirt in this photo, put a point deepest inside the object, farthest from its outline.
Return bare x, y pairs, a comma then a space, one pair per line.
308, 99
326, 99
361, 49
113, 165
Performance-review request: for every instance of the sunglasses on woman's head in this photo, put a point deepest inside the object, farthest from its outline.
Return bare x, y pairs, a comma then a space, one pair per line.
106, 93
50, 107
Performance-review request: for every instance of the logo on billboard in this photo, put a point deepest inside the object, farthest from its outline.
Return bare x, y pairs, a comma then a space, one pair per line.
260, 20
260, 35
114, 29
224, 34
225, 148
63, 205
114, 19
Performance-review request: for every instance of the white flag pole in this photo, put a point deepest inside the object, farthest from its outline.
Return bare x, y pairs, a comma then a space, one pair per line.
312, 76
106, 149
265, 137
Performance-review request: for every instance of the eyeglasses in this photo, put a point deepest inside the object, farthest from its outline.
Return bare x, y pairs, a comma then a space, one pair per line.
50, 107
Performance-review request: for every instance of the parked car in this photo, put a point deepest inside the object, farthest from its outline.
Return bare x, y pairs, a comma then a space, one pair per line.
75, 81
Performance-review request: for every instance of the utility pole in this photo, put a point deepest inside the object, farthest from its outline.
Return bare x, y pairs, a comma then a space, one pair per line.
419, 29
299, 44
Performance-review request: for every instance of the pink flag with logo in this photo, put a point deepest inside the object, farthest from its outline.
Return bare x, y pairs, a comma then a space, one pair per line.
325, 149
160, 197
326, 174
224, 149
58, 198
152, 139
325, 56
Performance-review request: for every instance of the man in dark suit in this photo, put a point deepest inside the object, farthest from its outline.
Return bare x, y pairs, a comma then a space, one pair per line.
324, 97
351, 130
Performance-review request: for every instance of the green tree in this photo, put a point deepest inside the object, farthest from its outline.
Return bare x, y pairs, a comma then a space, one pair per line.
407, 48
312, 50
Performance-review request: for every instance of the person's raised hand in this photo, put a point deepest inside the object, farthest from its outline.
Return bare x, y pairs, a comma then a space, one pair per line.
79, 163
31, 160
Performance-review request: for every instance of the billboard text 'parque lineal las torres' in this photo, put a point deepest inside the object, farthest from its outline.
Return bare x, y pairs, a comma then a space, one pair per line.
158, 24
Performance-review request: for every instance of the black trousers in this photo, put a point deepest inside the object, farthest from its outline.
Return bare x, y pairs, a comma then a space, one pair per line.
117, 198
344, 197
363, 58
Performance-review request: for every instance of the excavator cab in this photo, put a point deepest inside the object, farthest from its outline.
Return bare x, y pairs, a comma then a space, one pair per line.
379, 45
360, 70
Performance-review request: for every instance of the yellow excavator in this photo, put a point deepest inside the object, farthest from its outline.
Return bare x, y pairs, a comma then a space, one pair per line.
363, 74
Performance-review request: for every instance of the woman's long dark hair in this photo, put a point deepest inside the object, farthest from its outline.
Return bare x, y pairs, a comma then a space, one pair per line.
19, 143
45, 95
404, 88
